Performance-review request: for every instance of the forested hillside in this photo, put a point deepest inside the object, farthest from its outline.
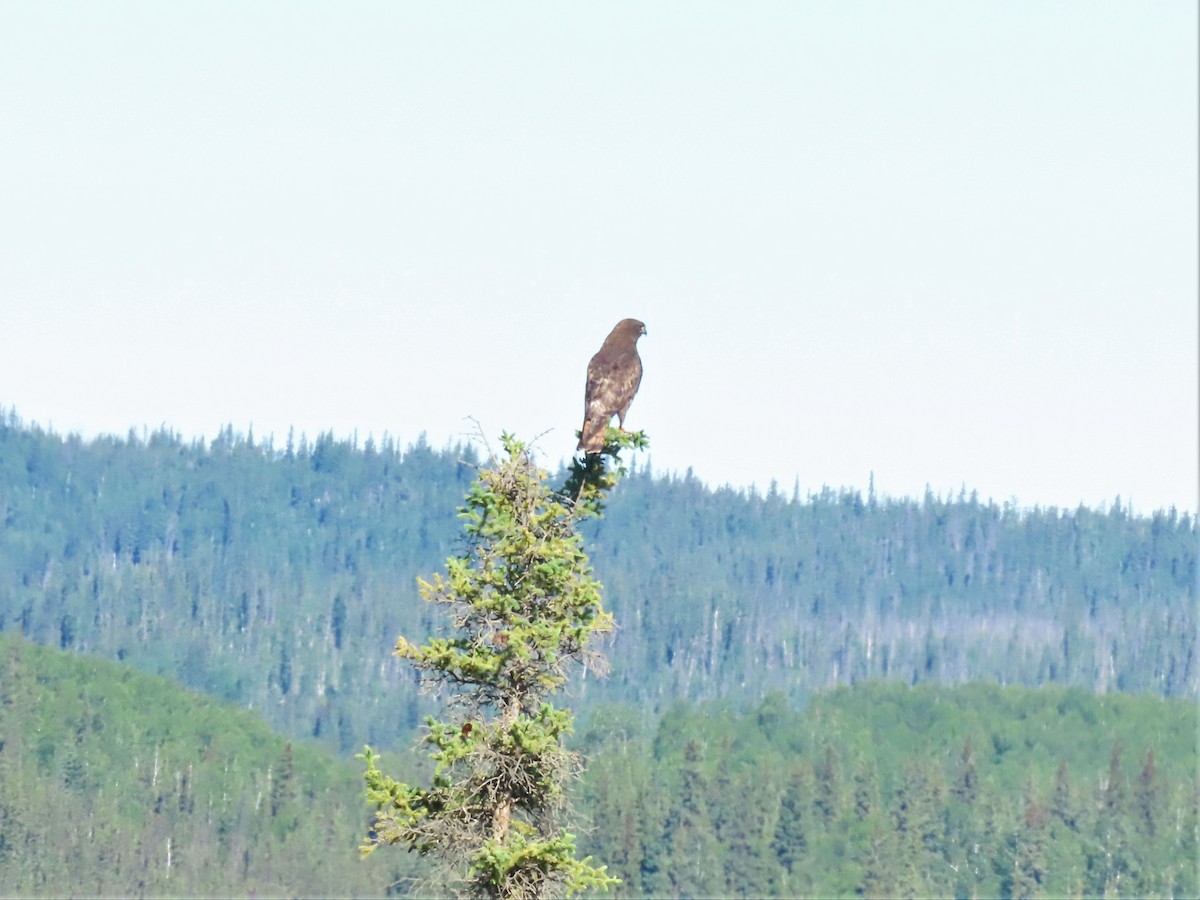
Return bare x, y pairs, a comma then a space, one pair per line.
883, 790
279, 578
723, 593
116, 783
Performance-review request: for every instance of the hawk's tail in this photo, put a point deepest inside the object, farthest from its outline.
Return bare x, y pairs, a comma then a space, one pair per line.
591, 440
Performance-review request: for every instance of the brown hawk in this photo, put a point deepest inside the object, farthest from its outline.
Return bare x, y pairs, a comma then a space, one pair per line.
613, 377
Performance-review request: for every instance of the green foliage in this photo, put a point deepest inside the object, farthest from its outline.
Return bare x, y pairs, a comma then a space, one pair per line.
122, 784
592, 475
265, 575
524, 607
860, 795
731, 594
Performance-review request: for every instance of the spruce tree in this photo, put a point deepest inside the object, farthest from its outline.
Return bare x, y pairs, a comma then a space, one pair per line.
524, 608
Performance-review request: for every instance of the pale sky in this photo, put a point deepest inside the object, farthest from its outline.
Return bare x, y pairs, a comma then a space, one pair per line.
948, 243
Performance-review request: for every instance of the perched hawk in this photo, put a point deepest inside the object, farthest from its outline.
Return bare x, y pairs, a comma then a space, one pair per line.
613, 377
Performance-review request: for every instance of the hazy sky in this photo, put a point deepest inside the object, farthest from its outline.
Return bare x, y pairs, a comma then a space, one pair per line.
948, 243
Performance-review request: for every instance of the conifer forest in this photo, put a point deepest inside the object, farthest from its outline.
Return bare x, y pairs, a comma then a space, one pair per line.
831, 694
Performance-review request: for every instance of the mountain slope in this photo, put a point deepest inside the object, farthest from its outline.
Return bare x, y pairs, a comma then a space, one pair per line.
885, 790
280, 578
117, 783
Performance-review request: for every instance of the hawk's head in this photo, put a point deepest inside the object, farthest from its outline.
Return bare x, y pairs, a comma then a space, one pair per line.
630, 327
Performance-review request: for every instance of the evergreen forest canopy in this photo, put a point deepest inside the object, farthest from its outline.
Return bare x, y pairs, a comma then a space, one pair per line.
117, 783
278, 579
113, 782
885, 790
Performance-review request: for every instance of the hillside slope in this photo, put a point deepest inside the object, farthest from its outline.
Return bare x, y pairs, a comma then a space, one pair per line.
114, 782
279, 578
884, 790
117, 783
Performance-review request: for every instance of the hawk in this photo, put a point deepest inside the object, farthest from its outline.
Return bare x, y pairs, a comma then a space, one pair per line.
613, 377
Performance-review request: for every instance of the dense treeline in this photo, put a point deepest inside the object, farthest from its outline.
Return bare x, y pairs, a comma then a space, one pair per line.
883, 790
275, 579
278, 578
719, 593
117, 783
